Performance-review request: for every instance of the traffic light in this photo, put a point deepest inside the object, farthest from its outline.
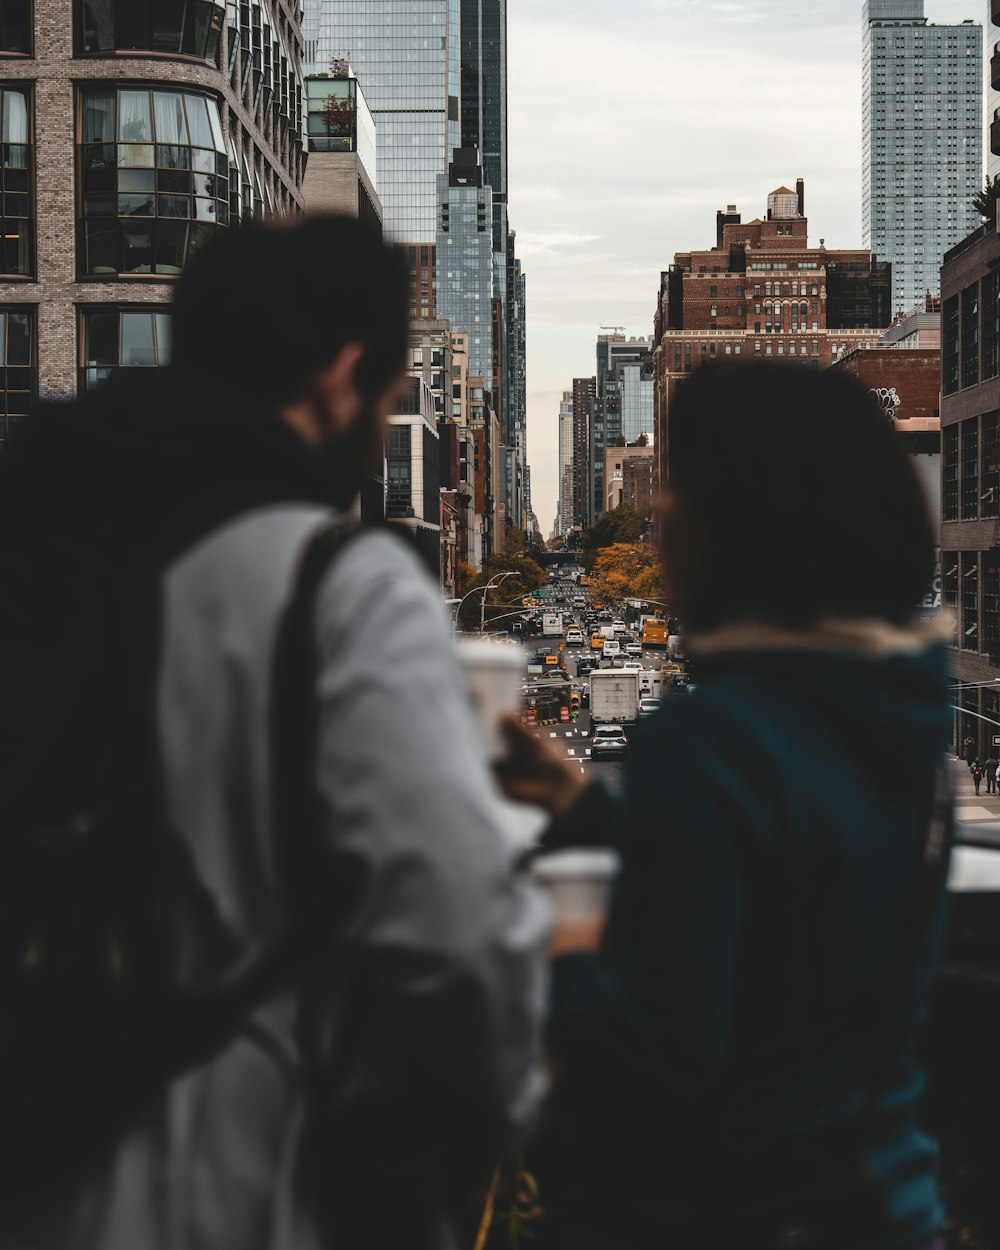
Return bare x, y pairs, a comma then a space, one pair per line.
574, 705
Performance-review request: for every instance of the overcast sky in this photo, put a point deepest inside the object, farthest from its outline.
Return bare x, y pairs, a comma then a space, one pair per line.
632, 122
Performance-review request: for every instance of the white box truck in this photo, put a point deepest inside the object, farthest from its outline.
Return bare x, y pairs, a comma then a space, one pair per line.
552, 625
614, 696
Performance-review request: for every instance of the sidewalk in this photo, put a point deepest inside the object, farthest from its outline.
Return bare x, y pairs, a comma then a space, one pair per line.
970, 807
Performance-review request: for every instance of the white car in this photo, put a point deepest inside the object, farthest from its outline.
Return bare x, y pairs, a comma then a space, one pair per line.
574, 636
633, 648
611, 649
648, 707
608, 740
632, 666
619, 627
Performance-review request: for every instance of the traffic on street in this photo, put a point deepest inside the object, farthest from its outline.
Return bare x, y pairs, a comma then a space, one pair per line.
594, 672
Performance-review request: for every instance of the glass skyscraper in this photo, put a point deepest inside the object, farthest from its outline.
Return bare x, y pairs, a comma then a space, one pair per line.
993, 90
406, 55
465, 257
484, 97
922, 141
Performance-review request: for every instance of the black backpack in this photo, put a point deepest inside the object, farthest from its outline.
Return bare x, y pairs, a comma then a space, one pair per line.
93, 885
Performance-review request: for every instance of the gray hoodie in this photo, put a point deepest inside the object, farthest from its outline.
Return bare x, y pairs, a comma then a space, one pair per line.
446, 929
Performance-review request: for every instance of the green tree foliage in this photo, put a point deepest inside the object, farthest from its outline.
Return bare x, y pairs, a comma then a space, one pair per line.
517, 559
620, 525
985, 201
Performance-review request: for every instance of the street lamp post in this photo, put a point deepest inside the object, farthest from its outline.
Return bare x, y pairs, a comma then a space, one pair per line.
490, 585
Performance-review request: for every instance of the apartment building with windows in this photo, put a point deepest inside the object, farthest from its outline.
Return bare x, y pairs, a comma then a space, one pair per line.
763, 291
970, 475
922, 102
132, 132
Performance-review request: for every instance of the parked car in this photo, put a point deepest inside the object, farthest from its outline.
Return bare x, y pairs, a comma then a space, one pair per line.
648, 707
633, 648
608, 740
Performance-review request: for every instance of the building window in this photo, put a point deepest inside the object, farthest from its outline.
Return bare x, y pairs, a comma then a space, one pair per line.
949, 579
989, 486
17, 224
970, 335
154, 178
949, 473
173, 27
399, 484
949, 346
18, 367
15, 27
990, 564
970, 469
968, 589
116, 339
991, 325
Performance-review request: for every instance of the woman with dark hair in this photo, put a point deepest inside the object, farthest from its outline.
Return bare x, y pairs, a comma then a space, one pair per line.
735, 1053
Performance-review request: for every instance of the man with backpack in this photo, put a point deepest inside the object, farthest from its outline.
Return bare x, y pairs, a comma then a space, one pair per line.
272, 981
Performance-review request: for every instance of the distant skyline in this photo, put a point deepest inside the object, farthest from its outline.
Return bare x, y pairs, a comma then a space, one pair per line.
630, 126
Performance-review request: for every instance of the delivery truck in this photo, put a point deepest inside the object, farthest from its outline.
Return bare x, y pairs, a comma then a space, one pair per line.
614, 696
552, 625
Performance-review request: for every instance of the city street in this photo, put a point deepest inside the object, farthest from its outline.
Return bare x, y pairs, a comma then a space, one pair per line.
574, 739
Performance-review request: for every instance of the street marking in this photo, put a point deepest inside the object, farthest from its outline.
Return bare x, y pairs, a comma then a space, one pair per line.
588, 750
569, 733
965, 812
571, 751
553, 735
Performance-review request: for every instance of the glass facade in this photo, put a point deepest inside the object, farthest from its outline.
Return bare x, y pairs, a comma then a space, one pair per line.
113, 339
339, 120
922, 141
15, 27
465, 268
17, 213
154, 179
173, 27
18, 366
624, 407
405, 55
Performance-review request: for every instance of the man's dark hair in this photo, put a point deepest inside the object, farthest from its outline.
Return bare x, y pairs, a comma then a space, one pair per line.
267, 305
809, 501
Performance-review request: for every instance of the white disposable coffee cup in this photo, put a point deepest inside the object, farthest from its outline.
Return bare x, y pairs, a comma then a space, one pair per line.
495, 673
578, 882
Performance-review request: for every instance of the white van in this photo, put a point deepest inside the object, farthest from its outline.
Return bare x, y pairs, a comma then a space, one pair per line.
611, 650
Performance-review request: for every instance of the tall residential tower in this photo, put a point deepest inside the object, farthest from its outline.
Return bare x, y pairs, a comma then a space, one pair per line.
922, 112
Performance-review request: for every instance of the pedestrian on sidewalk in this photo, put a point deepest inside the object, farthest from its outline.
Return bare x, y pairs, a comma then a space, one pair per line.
977, 774
990, 771
969, 751
721, 1077
358, 956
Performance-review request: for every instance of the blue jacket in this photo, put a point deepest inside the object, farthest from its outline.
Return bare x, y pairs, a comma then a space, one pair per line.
769, 828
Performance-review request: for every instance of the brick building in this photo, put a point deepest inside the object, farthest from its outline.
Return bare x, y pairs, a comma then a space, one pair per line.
970, 486
132, 132
629, 477
762, 291
904, 372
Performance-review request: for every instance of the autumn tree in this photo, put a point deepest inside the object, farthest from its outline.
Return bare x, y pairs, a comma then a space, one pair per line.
619, 525
626, 571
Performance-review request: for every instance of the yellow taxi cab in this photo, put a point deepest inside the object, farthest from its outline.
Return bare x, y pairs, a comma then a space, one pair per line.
596, 642
669, 669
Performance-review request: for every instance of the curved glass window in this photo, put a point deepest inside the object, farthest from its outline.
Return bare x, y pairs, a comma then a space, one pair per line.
15, 27
117, 339
182, 27
17, 221
154, 178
